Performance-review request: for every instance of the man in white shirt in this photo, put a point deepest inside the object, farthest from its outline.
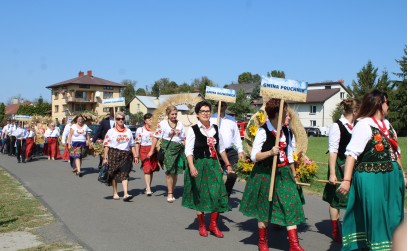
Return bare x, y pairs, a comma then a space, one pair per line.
229, 132
20, 133
10, 131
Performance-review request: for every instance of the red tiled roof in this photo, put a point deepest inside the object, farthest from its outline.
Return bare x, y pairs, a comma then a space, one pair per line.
13, 108
86, 80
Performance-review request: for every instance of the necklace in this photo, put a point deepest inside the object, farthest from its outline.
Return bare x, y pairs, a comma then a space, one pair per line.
148, 129
120, 130
382, 128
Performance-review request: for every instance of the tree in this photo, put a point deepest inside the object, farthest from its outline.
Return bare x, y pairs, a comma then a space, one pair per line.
185, 88
248, 78
141, 92
128, 92
201, 84
276, 74
242, 106
366, 81
397, 112
164, 86
34, 109
2, 112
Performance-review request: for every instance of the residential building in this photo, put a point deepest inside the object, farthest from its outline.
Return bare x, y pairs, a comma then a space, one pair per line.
83, 93
322, 99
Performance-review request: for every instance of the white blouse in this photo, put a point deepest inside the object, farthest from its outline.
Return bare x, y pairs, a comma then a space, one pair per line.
65, 133
260, 139
334, 134
361, 135
190, 138
79, 134
119, 140
143, 136
30, 134
51, 133
164, 131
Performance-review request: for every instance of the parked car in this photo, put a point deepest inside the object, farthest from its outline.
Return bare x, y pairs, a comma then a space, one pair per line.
313, 132
133, 129
242, 127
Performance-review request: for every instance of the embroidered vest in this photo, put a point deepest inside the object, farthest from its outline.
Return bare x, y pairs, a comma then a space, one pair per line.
201, 148
269, 143
345, 138
377, 155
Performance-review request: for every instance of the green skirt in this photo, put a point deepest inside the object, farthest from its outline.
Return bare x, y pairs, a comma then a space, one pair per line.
206, 192
375, 209
330, 195
174, 158
286, 206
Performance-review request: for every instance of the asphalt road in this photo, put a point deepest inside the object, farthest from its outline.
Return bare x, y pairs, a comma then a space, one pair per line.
98, 222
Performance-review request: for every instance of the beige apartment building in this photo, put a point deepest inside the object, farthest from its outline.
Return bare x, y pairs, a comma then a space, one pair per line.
83, 93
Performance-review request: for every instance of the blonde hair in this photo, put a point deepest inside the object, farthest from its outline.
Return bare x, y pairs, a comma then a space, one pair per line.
122, 114
170, 108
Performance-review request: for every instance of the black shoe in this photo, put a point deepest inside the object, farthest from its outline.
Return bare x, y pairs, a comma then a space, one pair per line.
18, 161
128, 198
24, 161
80, 174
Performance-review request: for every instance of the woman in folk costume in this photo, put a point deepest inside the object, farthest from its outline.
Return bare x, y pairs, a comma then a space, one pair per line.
339, 137
78, 139
143, 140
64, 137
119, 154
30, 142
373, 179
204, 189
286, 206
52, 149
172, 135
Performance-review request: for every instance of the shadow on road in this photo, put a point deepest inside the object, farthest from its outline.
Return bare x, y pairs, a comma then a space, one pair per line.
324, 227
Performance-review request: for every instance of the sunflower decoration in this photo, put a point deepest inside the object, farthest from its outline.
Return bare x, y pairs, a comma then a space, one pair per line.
307, 168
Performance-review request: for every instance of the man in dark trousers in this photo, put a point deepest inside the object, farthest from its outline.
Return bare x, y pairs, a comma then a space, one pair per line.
229, 132
104, 126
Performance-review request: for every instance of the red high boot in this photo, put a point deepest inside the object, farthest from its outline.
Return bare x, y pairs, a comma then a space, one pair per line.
263, 239
202, 230
335, 231
213, 225
294, 241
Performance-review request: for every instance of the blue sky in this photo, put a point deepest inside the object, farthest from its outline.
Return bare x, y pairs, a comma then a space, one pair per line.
45, 42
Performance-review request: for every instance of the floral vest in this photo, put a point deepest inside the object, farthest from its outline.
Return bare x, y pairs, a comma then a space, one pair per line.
377, 155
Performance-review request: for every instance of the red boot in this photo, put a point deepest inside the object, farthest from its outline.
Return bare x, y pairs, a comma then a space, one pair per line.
202, 230
263, 239
335, 231
294, 241
213, 225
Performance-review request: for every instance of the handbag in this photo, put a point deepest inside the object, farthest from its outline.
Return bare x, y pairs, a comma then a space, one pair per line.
160, 154
103, 175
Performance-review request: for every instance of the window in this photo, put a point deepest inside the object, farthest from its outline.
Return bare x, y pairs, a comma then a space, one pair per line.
107, 95
312, 109
342, 95
312, 122
327, 87
55, 108
80, 94
84, 86
80, 107
106, 109
56, 95
108, 87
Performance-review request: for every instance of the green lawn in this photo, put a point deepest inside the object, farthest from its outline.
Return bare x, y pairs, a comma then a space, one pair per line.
317, 149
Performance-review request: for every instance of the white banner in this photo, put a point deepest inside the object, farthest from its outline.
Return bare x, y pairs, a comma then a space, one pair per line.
220, 94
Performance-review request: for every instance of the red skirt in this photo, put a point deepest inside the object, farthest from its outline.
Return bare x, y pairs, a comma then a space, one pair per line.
65, 155
148, 165
53, 148
29, 147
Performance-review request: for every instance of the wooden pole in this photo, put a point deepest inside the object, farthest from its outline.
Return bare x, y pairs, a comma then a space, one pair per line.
275, 158
218, 114
326, 181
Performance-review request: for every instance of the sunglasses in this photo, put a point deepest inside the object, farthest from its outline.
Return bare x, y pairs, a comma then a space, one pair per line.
118, 119
204, 111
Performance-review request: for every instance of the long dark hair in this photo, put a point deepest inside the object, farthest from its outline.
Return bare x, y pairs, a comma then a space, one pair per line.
371, 103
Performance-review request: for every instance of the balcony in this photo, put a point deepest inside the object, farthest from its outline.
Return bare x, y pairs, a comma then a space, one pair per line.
80, 100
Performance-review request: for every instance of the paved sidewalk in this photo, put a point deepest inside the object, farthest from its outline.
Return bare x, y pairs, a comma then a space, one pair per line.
98, 222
